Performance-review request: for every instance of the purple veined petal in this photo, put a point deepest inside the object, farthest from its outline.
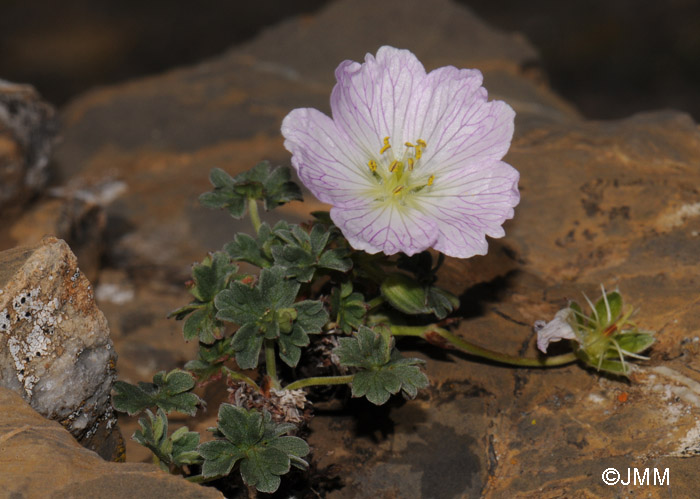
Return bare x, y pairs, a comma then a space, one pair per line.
372, 100
470, 205
454, 118
373, 228
557, 329
448, 193
332, 170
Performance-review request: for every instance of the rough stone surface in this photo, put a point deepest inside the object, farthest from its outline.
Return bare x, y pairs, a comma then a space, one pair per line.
39, 458
162, 135
27, 129
602, 202
55, 349
68, 214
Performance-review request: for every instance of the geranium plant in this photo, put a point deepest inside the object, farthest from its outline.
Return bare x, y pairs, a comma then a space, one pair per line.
409, 161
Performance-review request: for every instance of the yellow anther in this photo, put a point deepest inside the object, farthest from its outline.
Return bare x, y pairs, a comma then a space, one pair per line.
386, 145
410, 164
421, 143
431, 179
408, 144
419, 152
397, 190
372, 165
395, 165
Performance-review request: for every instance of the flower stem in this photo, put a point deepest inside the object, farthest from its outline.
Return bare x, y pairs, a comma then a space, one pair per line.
201, 479
270, 363
375, 302
254, 214
240, 376
320, 380
442, 337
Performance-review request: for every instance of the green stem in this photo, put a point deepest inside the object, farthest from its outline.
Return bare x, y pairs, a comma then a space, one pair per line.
271, 363
240, 376
375, 302
429, 333
201, 479
320, 380
254, 214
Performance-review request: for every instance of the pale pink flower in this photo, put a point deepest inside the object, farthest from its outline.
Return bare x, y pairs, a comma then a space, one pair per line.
409, 160
557, 329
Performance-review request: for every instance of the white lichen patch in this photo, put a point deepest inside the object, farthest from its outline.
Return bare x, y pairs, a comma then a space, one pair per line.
681, 396
114, 293
5, 321
690, 444
679, 216
30, 325
596, 398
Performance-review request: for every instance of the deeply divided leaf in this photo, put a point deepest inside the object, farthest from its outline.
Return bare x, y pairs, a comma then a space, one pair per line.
170, 392
208, 279
272, 186
347, 308
385, 372
252, 439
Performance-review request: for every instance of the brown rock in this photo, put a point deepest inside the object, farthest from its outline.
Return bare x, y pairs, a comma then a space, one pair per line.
79, 222
27, 129
602, 202
162, 135
39, 458
55, 349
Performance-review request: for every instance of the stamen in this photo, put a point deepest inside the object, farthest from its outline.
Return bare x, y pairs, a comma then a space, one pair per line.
431, 179
395, 165
397, 190
408, 144
410, 164
386, 146
419, 148
372, 165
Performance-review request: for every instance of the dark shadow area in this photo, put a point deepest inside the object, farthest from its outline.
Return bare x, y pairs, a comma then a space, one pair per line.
449, 472
474, 300
610, 59
64, 48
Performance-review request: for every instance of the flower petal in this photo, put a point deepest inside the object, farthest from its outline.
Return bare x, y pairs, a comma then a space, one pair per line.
373, 228
557, 329
459, 192
372, 100
470, 204
451, 113
325, 162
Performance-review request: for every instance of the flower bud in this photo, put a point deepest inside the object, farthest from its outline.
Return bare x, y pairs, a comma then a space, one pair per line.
405, 294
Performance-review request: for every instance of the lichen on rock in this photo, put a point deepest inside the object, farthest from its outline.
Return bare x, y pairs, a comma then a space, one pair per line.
55, 348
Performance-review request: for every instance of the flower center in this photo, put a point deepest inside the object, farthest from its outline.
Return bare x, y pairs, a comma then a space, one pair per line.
397, 179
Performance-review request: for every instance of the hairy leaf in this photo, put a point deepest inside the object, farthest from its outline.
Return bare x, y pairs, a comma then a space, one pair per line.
348, 308
384, 371
272, 186
252, 439
209, 278
170, 392
178, 449
304, 253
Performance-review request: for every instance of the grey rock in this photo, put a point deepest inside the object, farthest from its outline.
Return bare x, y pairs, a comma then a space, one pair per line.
55, 349
27, 129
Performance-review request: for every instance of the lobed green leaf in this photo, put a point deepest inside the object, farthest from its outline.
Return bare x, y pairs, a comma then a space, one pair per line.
169, 392
254, 440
